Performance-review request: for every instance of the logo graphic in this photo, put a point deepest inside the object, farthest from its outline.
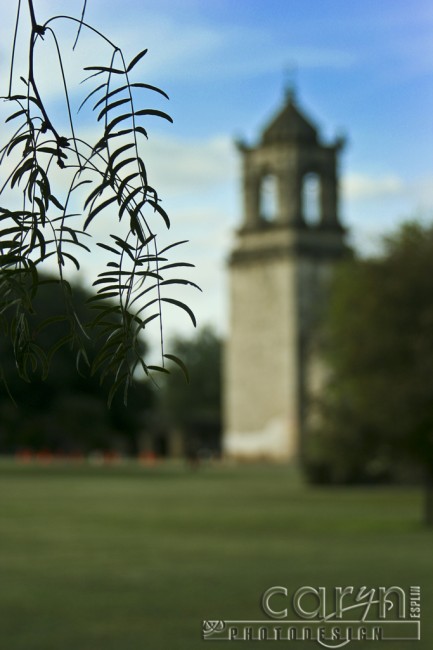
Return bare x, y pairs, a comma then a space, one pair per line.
332, 618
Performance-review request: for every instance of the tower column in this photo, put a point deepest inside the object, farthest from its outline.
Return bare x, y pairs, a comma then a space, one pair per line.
329, 186
251, 191
289, 197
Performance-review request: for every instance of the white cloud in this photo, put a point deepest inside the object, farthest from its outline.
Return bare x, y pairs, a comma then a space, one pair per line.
423, 190
358, 186
377, 205
183, 46
189, 167
186, 51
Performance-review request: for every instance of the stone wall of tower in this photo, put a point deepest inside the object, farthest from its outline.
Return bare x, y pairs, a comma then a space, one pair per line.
279, 278
261, 412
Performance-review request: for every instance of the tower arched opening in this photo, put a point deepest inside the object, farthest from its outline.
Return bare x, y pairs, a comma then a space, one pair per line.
269, 198
311, 203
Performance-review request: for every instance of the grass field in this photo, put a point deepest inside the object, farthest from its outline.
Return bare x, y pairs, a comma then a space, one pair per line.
135, 558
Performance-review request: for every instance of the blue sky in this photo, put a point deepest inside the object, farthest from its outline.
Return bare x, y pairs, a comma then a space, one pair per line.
362, 67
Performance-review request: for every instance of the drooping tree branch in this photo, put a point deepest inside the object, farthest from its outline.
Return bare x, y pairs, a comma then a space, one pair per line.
44, 215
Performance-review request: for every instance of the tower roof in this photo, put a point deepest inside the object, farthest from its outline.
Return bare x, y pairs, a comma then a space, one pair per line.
289, 125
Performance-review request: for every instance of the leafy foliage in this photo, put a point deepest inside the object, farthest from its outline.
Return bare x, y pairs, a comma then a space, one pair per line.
376, 413
67, 185
67, 411
194, 408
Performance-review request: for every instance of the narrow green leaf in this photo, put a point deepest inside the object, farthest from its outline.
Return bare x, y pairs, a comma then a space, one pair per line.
123, 244
103, 68
184, 282
98, 209
104, 280
81, 354
161, 211
65, 340
96, 192
72, 258
32, 183
178, 243
123, 163
125, 182
153, 111
77, 243
137, 229
149, 87
9, 243
149, 319
182, 305
108, 136
56, 202
136, 59
113, 287
116, 91
123, 379
41, 207
109, 248
98, 296
16, 141
15, 115
180, 363
103, 312
119, 152
44, 185
90, 95
140, 129
10, 231
28, 98
117, 120
85, 182
110, 107
100, 360
52, 151
135, 212
174, 265
106, 274
25, 167
128, 200
159, 369
143, 172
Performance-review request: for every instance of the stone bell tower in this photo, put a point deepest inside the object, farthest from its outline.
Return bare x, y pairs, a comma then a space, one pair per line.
279, 269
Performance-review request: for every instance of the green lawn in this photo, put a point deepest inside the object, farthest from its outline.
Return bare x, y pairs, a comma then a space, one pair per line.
131, 558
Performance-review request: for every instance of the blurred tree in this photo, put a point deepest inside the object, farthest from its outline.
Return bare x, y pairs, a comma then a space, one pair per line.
377, 408
64, 410
194, 408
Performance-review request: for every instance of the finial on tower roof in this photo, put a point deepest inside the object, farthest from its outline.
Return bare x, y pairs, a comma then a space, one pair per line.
290, 80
